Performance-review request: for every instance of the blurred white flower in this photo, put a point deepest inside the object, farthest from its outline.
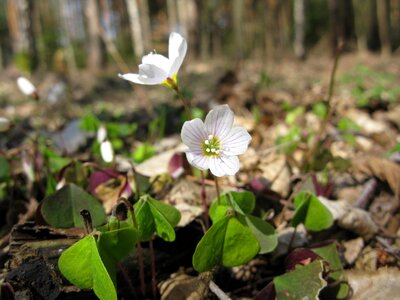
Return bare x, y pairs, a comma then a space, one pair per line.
4, 124
107, 152
101, 134
157, 69
26, 87
215, 144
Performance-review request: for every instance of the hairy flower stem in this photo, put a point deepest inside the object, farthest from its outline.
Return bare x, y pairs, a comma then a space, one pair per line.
184, 102
204, 200
153, 270
203, 188
218, 192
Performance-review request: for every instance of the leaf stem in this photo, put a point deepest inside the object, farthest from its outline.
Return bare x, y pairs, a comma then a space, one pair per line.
153, 270
141, 269
139, 248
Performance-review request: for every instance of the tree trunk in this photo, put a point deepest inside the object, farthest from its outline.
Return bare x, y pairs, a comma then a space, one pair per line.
20, 23
299, 28
383, 25
146, 27
136, 27
205, 29
172, 15
93, 22
238, 24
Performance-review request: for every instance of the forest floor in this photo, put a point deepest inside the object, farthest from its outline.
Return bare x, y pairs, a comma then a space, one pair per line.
354, 168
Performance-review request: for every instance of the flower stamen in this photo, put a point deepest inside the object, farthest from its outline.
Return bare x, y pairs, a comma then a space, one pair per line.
212, 146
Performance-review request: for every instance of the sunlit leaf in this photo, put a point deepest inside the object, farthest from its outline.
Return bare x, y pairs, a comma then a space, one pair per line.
228, 242
311, 212
82, 265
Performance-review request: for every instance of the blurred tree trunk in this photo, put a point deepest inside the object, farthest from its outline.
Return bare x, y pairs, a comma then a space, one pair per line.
70, 70
20, 24
395, 22
172, 15
95, 49
384, 26
342, 24
299, 28
238, 8
136, 27
146, 27
204, 8
188, 19
363, 19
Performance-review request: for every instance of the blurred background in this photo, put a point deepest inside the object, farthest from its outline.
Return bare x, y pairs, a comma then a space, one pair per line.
74, 49
94, 34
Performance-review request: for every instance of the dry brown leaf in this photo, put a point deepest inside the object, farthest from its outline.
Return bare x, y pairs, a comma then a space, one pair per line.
109, 191
381, 284
381, 168
183, 286
351, 218
353, 249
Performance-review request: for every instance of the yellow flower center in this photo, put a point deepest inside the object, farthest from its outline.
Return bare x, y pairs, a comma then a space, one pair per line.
211, 146
171, 82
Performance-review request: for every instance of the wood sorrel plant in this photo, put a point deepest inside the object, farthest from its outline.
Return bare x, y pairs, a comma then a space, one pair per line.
236, 236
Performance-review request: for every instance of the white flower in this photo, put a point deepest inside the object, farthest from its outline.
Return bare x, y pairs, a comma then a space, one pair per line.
101, 134
4, 124
26, 86
157, 69
107, 152
215, 144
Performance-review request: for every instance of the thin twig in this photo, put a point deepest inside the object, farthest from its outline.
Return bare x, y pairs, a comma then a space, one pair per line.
366, 195
218, 292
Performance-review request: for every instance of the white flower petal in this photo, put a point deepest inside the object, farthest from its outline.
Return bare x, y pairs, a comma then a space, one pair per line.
4, 124
224, 165
152, 71
193, 134
236, 142
177, 48
219, 121
26, 86
157, 60
140, 79
107, 152
101, 134
198, 160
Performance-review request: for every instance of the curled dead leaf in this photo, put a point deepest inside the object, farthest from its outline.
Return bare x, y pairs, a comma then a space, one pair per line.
351, 218
383, 169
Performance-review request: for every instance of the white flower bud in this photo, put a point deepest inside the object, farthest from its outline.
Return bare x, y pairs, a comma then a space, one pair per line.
25, 86
101, 134
107, 152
